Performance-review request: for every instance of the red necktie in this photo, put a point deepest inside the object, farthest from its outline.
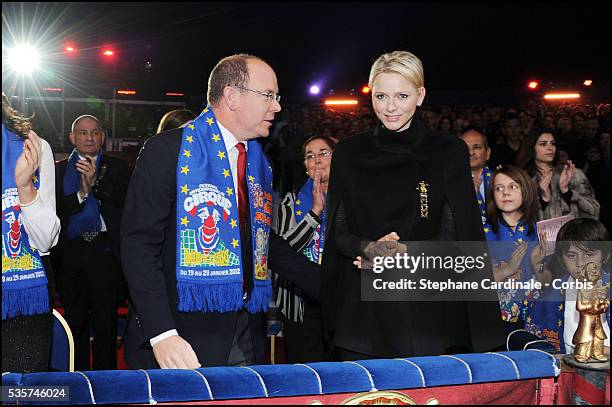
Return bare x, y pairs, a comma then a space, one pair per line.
243, 195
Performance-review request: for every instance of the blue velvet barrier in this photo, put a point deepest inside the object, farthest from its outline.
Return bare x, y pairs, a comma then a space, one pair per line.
225, 383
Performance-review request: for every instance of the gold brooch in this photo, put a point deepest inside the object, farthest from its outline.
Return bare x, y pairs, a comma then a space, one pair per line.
424, 197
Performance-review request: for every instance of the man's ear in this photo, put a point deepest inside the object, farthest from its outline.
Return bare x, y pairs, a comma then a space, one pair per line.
72, 138
230, 97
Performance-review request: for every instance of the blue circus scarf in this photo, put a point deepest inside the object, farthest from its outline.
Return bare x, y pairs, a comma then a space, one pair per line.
209, 268
513, 303
24, 283
303, 204
87, 220
482, 200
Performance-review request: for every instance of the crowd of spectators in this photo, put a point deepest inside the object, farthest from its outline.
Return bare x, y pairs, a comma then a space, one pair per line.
582, 132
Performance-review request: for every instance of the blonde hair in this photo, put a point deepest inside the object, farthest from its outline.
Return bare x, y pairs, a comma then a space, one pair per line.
403, 63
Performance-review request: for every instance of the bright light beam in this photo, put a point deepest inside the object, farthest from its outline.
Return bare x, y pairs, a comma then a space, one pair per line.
341, 102
23, 59
557, 96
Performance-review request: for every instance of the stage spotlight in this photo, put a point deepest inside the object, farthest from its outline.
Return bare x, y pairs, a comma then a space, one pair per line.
314, 90
365, 90
588, 82
23, 59
533, 85
108, 52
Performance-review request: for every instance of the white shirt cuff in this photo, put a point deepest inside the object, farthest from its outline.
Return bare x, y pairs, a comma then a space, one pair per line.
311, 221
79, 197
163, 336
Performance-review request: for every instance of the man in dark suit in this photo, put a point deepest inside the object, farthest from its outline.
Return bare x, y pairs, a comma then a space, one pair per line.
90, 188
242, 95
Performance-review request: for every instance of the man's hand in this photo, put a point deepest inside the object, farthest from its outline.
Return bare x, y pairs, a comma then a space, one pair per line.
87, 168
175, 353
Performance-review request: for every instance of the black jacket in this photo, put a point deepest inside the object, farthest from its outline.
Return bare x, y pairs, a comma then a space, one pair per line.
148, 239
373, 184
110, 189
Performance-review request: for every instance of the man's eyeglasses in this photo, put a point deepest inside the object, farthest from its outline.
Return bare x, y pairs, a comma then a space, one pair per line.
270, 96
322, 154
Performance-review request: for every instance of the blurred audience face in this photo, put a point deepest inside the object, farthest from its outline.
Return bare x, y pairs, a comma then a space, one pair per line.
604, 141
458, 124
318, 157
395, 99
545, 148
578, 124
563, 157
549, 121
476, 120
431, 120
512, 130
592, 126
496, 115
593, 153
445, 124
507, 193
479, 153
564, 125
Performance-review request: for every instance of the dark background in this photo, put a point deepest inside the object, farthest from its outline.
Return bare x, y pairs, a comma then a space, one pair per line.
463, 46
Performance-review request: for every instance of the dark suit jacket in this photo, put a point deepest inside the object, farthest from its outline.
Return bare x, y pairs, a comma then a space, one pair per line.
148, 243
110, 189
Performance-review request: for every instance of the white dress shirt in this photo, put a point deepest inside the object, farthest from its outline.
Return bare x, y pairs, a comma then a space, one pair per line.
39, 218
232, 152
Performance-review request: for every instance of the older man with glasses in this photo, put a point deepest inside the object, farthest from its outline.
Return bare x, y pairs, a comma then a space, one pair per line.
196, 230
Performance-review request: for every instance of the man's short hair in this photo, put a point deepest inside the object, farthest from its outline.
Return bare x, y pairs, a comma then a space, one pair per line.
478, 130
230, 71
86, 116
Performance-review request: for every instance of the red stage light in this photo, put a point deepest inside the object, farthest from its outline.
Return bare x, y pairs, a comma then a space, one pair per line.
588, 82
365, 90
174, 94
533, 84
108, 52
52, 89
70, 49
126, 92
